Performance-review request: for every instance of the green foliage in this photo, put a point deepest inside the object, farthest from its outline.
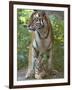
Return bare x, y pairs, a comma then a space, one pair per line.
58, 45
23, 37
58, 29
23, 16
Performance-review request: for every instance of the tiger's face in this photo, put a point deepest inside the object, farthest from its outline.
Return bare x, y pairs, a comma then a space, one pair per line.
38, 21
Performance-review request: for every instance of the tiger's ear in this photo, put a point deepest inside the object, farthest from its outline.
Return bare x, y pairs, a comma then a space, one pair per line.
35, 10
43, 13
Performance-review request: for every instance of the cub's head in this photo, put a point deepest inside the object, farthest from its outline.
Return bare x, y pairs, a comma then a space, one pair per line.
38, 21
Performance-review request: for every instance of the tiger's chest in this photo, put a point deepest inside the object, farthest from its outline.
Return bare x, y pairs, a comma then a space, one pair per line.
42, 44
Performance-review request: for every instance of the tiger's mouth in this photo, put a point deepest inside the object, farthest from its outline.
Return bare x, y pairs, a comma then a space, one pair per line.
31, 28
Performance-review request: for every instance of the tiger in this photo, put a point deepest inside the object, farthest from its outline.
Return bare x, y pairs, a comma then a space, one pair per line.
40, 24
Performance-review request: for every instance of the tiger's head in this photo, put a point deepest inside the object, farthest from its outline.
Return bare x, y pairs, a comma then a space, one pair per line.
38, 21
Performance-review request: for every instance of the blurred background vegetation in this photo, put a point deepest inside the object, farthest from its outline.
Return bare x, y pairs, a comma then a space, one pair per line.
24, 38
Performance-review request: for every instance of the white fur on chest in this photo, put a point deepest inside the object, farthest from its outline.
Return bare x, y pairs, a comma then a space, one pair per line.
43, 44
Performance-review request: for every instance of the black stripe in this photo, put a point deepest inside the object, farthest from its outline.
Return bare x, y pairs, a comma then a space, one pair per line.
44, 37
36, 51
49, 46
36, 43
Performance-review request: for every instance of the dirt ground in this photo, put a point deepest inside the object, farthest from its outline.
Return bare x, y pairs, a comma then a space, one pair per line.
21, 75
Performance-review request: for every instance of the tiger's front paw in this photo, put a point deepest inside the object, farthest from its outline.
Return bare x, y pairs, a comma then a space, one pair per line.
30, 75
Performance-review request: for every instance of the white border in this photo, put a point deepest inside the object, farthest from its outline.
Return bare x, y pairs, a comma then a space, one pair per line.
29, 82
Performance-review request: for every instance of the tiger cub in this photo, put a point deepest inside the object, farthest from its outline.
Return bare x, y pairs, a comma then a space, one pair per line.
42, 45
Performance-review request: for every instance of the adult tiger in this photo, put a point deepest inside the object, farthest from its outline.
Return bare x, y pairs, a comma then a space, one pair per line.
42, 45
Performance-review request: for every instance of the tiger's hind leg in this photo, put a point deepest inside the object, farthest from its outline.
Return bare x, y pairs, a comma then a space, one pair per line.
51, 71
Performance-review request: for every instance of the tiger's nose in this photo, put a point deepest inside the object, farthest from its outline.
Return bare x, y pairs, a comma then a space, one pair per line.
28, 25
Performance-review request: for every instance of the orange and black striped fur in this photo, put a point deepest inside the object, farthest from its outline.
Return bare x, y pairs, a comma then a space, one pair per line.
42, 45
